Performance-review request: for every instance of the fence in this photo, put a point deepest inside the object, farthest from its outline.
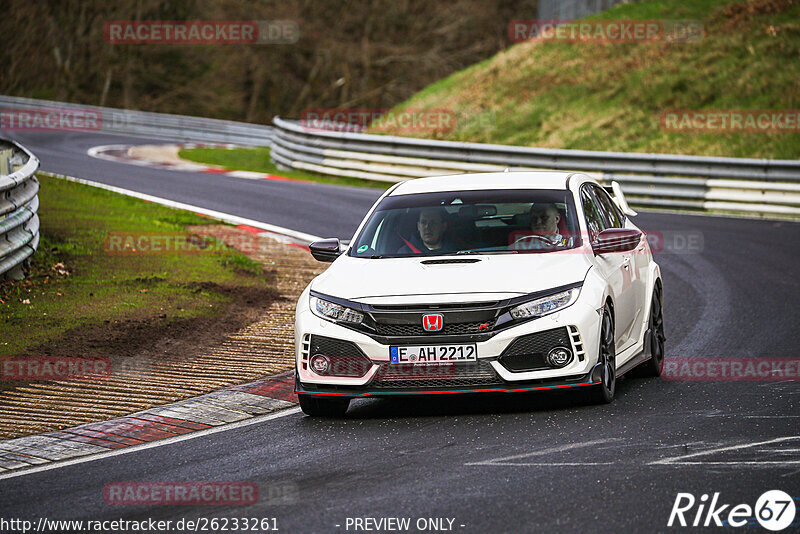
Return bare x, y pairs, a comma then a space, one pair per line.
178, 127
762, 186
573, 9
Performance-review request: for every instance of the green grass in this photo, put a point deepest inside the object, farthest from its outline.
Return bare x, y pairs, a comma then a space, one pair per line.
258, 160
99, 286
610, 96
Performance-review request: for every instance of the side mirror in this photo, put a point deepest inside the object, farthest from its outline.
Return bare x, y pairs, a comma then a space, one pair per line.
616, 240
325, 249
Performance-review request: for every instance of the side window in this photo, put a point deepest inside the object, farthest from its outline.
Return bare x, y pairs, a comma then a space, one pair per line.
608, 209
594, 220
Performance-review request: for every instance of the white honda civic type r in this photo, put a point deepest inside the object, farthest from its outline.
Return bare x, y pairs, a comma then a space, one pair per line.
500, 282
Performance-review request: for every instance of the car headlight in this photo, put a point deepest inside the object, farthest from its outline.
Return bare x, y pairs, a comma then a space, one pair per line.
546, 305
335, 312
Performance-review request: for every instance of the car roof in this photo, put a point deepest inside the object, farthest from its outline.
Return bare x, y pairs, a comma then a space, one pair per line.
487, 180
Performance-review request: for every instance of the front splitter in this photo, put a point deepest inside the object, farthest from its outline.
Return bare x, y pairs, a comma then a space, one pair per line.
507, 387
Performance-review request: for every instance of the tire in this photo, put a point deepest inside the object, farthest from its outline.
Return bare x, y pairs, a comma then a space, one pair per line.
653, 366
323, 407
603, 393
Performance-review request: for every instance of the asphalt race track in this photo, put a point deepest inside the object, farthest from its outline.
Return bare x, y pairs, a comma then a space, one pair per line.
307, 207
520, 463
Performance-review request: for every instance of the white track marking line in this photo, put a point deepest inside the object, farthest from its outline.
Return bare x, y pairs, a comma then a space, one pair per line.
750, 416
680, 460
225, 217
548, 464
152, 444
506, 460
100, 152
736, 463
247, 175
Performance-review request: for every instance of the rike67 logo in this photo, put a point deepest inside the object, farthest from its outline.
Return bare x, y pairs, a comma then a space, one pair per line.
775, 510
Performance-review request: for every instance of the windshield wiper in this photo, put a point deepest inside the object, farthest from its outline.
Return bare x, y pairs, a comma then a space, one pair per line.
482, 252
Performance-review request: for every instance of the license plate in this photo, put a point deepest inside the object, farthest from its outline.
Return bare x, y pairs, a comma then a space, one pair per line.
433, 354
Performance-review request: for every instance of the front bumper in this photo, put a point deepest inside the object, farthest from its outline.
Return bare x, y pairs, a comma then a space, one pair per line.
581, 321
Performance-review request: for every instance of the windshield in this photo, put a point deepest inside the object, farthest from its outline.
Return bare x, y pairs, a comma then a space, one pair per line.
470, 222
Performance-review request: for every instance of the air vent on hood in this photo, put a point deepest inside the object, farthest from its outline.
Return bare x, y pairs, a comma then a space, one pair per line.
450, 260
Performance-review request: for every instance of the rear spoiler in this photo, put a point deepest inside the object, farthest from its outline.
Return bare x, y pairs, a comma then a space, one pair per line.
619, 198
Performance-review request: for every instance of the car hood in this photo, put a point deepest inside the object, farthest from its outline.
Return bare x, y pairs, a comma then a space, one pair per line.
496, 276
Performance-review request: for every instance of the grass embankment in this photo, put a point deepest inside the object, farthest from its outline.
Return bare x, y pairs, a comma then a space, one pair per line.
258, 160
610, 96
75, 282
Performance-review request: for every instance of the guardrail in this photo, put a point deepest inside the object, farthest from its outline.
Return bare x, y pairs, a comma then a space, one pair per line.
763, 186
179, 127
19, 223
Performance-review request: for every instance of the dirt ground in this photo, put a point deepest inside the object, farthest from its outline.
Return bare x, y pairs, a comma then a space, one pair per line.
153, 338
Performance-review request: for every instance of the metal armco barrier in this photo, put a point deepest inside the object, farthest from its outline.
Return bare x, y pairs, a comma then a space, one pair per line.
573, 9
759, 186
19, 223
145, 123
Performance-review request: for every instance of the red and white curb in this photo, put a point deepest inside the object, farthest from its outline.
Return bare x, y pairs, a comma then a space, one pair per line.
122, 154
230, 405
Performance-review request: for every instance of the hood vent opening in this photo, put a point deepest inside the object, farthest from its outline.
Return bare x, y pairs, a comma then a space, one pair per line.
450, 260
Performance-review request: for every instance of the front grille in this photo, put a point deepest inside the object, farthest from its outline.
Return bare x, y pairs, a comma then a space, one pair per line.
451, 329
479, 373
527, 353
346, 358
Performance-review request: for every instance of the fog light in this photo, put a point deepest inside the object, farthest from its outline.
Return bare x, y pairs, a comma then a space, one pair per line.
320, 364
559, 357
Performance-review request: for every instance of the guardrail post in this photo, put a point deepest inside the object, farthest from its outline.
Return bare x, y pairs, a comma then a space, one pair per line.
5, 162
16, 273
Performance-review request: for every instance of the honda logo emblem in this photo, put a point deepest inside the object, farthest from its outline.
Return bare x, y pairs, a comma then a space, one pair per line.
432, 322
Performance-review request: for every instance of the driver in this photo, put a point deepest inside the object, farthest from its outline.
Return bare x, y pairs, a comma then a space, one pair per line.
544, 223
431, 229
